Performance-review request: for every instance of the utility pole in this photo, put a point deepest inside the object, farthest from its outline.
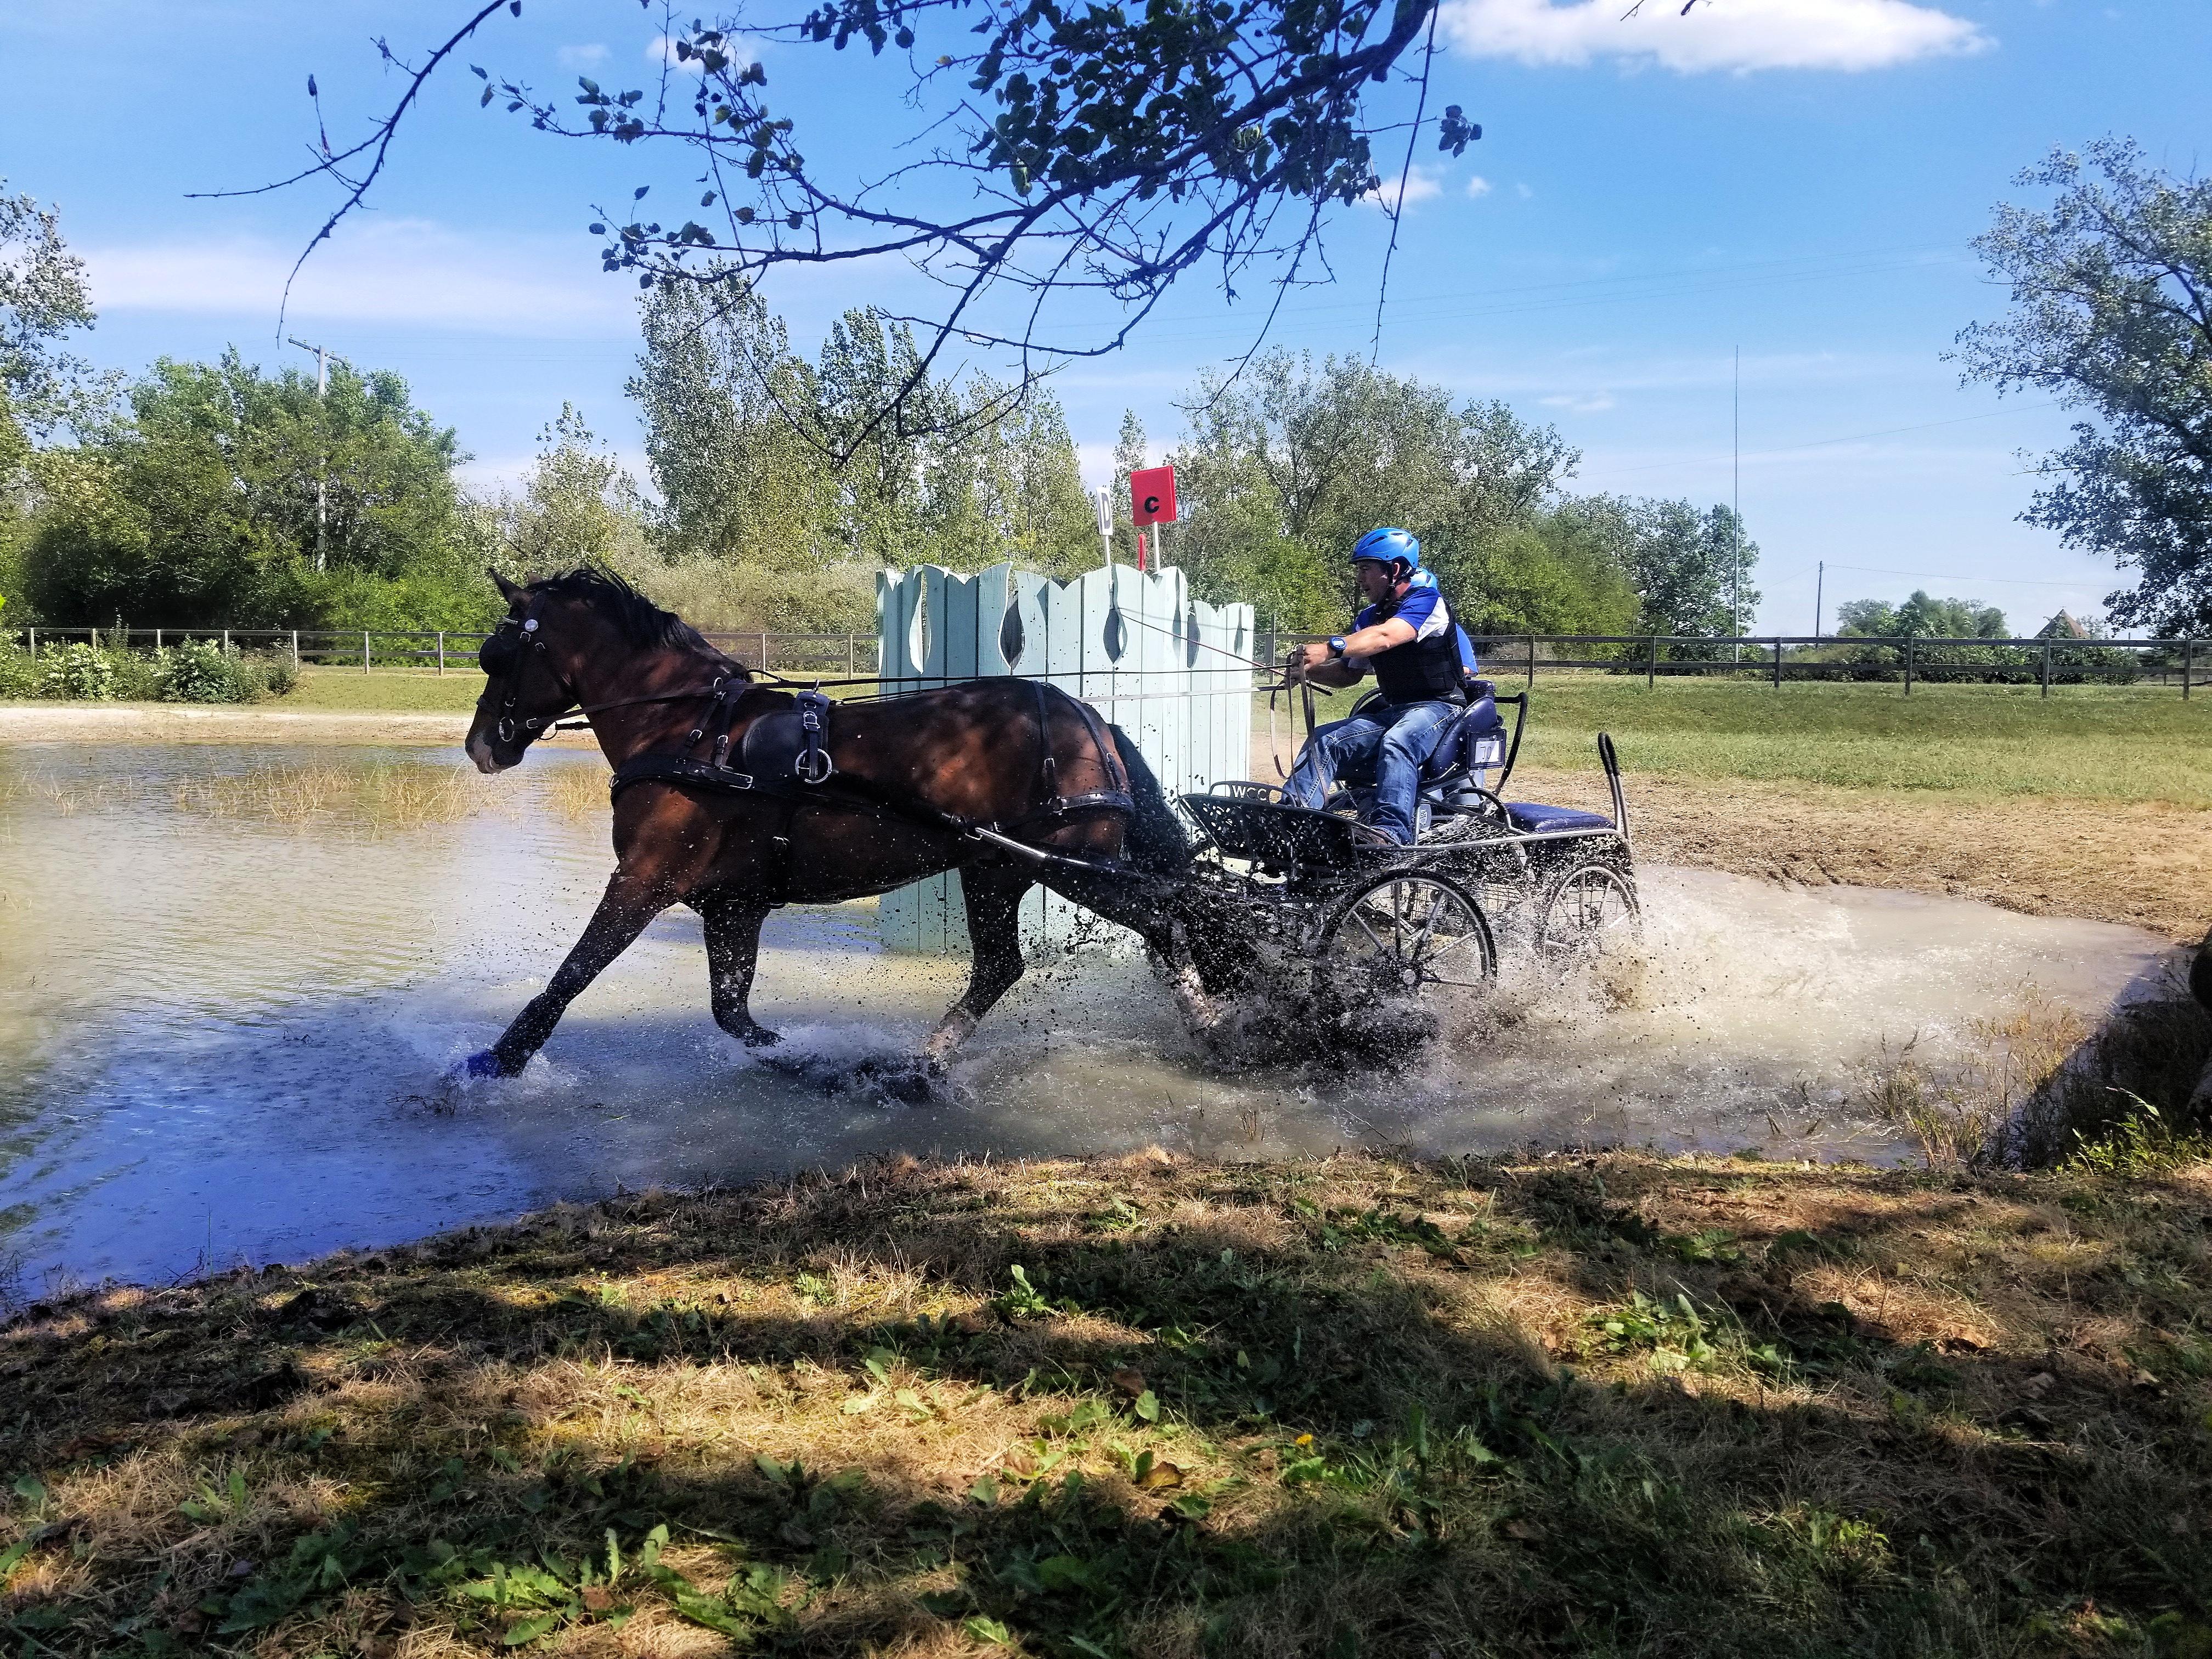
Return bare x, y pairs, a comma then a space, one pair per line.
1735, 504
1819, 612
322, 460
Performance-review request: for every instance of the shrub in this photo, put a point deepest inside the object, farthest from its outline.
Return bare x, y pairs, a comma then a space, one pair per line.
200, 670
81, 671
19, 675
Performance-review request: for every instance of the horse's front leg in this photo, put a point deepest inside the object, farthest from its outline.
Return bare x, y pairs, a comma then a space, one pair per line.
734, 925
625, 908
994, 898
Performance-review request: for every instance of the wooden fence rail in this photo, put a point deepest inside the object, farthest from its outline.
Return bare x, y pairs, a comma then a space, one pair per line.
2185, 663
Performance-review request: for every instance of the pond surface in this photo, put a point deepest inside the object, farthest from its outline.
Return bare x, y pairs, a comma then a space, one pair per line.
232, 981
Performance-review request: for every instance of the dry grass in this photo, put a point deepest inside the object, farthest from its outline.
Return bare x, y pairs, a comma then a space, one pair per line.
1598, 1404
384, 796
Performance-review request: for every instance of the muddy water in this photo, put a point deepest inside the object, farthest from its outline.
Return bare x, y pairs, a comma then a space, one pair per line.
225, 1021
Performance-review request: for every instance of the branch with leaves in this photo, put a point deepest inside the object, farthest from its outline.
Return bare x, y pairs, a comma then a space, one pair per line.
1070, 161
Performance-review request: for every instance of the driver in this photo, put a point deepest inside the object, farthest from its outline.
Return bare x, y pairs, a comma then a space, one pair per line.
1421, 660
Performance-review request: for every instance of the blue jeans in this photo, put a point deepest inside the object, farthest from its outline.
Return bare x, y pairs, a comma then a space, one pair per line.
1395, 741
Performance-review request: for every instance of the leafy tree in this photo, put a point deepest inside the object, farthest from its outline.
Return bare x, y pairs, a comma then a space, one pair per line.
725, 402
200, 505
1286, 467
1132, 454
1921, 618
578, 504
2111, 294
1681, 561
43, 300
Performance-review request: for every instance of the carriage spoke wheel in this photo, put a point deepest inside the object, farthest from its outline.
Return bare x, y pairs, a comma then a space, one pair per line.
1589, 912
1404, 938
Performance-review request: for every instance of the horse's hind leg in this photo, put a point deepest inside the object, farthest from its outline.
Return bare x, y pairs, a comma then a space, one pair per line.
995, 898
624, 912
734, 925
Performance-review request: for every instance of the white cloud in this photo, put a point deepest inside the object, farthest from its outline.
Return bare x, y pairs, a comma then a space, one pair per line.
1524, 191
1478, 186
1579, 403
580, 57
391, 271
1739, 35
1420, 186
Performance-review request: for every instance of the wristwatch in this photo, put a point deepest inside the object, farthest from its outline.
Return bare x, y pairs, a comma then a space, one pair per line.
1336, 644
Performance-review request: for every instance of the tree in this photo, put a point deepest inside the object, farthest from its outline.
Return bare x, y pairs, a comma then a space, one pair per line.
1289, 465
578, 505
1132, 454
43, 300
200, 505
2112, 294
724, 400
1681, 561
1921, 618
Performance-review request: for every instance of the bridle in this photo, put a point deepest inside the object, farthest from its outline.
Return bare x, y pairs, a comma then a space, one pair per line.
502, 656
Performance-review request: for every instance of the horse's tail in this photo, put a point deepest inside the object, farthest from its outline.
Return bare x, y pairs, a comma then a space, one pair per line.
1156, 842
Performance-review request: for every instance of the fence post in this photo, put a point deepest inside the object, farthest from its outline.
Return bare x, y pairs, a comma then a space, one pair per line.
157, 639
34, 644
852, 656
1652, 668
296, 650
1909, 644
441, 651
1532, 662
2047, 668
364, 651
226, 641
2188, 666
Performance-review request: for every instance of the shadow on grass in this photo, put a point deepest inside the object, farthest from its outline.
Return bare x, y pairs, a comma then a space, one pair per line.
1304, 1409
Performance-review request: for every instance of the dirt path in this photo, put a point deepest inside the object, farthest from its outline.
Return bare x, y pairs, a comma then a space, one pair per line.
2145, 863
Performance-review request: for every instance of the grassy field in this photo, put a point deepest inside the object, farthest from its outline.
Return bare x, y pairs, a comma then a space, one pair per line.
2089, 743
387, 690
1602, 1405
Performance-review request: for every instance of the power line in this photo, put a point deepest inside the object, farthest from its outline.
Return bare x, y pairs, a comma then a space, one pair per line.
1988, 581
1824, 443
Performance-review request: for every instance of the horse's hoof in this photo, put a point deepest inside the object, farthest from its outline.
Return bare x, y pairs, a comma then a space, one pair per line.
760, 1036
486, 1062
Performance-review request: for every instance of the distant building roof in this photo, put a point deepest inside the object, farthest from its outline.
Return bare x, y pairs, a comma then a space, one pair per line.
2062, 627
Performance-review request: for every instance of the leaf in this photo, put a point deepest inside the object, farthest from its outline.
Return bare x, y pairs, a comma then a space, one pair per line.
858, 1403
31, 1490
529, 1630
985, 1490
489, 95
1148, 1407
14, 1553
1160, 1475
985, 1629
1130, 1381
638, 194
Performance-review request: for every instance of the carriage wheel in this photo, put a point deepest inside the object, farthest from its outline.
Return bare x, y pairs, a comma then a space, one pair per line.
1405, 936
1587, 913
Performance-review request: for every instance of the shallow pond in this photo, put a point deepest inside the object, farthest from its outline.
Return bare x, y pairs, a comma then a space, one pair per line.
232, 981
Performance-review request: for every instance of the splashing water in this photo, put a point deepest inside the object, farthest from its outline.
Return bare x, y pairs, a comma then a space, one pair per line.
224, 1029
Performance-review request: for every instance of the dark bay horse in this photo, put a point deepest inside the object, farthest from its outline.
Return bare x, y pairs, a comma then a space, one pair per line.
1009, 781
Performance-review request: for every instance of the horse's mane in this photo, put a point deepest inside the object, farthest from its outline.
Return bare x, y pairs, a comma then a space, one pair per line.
643, 623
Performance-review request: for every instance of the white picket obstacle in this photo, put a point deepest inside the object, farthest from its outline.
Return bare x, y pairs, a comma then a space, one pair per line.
1170, 670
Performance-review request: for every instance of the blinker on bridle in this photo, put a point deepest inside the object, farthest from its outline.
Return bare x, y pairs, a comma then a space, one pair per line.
501, 655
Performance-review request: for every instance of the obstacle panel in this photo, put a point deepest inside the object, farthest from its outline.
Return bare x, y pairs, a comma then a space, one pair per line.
1170, 671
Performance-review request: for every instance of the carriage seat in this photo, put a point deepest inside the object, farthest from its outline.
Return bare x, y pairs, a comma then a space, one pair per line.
1476, 741
1537, 818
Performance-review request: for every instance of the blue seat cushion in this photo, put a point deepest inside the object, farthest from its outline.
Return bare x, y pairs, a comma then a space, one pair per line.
1530, 816
1480, 720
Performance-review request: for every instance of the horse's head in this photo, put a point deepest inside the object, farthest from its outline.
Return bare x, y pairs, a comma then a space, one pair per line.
529, 665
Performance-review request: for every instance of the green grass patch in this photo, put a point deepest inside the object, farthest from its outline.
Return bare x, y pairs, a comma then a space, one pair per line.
388, 690
2121, 743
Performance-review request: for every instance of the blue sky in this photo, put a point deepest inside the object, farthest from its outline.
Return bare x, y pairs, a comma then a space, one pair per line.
1793, 180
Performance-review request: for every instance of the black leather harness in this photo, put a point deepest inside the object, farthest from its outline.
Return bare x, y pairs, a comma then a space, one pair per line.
784, 755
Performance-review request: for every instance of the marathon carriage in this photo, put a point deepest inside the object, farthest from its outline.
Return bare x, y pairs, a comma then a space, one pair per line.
1373, 922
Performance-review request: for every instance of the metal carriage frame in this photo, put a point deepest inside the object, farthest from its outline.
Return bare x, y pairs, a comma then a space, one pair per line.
1315, 890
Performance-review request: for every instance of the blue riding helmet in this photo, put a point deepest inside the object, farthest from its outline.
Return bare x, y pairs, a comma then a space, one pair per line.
1388, 546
